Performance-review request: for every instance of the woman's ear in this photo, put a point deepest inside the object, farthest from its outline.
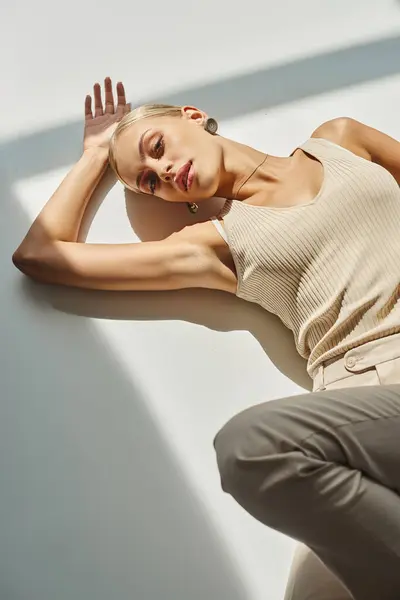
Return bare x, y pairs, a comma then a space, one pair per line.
194, 114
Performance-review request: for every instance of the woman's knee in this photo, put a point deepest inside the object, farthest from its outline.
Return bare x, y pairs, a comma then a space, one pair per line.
258, 457
226, 444
237, 444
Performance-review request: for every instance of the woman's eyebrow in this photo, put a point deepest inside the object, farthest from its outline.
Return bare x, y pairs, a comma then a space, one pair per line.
141, 154
140, 145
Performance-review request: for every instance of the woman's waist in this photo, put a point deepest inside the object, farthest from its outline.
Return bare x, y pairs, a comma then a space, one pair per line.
357, 360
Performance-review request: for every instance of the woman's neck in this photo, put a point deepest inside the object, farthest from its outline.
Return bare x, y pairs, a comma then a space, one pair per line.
243, 171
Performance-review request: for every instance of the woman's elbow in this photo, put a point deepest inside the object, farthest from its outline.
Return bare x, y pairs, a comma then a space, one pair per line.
27, 260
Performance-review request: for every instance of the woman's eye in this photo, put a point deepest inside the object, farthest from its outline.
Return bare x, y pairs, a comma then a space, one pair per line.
152, 182
158, 147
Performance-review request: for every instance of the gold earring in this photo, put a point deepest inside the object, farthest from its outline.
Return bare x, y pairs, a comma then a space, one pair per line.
192, 206
211, 126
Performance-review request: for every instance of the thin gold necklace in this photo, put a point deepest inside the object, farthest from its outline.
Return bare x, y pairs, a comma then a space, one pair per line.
251, 175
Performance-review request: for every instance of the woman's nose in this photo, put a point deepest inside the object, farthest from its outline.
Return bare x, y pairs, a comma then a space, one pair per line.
166, 172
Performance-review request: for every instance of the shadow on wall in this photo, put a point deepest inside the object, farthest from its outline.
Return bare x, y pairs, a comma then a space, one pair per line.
94, 503
223, 99
67, 488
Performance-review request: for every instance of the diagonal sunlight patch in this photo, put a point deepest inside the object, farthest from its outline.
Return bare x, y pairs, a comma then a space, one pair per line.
138, 347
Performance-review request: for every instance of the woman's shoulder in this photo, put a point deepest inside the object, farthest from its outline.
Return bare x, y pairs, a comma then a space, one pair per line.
341, 131
334, 130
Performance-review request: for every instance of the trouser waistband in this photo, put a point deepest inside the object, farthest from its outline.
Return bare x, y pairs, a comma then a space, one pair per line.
357, 360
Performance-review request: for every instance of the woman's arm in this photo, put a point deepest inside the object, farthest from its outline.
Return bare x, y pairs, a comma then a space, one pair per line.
381, 148
50, 252
169, 264
61, 217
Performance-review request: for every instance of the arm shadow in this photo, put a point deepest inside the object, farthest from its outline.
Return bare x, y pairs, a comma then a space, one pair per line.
215, 310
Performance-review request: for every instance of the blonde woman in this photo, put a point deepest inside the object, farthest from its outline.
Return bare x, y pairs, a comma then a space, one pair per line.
312, 237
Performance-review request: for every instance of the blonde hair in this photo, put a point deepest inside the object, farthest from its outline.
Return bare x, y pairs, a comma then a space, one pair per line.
142, 112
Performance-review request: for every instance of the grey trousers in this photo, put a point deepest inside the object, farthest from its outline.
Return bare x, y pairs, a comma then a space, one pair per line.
324, 469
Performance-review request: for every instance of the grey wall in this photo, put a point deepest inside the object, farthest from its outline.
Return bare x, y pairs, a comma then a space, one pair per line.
109, 402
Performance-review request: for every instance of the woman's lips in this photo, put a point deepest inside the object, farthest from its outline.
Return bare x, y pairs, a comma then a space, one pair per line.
190, 177
184, 176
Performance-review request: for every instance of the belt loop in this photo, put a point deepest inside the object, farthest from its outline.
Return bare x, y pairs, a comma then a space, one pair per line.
320, 379
322, 386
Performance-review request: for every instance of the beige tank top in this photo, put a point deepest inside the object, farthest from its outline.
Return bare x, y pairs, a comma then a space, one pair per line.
330, 269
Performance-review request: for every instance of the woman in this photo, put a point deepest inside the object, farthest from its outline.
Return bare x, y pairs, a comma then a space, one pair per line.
312, 237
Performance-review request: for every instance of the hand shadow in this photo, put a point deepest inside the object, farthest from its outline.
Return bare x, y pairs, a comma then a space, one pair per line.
154, 219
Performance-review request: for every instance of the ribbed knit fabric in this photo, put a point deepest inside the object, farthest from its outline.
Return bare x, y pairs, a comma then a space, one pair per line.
330, 269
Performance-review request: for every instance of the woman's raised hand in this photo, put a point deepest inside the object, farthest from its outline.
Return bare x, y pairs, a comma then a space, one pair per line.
100, 127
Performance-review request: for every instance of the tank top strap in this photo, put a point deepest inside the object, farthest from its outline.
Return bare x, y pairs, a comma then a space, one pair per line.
327, 150
220, 228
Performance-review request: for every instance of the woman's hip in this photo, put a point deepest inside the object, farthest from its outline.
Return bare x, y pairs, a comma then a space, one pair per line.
374, 363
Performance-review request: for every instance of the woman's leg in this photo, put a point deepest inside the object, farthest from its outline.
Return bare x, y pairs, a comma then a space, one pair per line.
324, 469
310, 579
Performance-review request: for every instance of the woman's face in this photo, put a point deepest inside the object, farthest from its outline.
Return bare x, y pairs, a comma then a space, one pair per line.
173, 158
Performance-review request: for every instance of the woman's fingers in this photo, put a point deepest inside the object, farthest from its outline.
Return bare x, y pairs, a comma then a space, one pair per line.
109, 96
88, 108
121, 98
98, 105
122, 106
